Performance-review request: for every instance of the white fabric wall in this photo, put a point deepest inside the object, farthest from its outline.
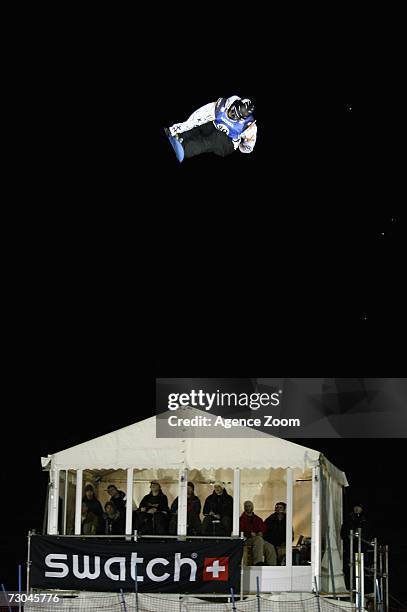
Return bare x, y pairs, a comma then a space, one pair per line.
331, 527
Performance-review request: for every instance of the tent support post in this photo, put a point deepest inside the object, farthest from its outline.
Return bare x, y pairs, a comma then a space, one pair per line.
325, 496
78, 502
65, 502
316, 524
53, 503
182, 502
129, 502
289, 521
236, 501
45, 522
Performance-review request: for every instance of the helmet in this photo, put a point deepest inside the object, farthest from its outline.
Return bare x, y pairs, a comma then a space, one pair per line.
240, 109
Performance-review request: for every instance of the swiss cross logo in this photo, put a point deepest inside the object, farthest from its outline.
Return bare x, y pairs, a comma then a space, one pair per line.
216, 568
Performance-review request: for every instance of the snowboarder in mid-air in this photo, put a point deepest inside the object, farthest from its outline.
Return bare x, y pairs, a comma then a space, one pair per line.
218, 127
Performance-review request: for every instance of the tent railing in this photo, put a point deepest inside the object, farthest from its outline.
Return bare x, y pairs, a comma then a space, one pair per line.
376, 571
146, 537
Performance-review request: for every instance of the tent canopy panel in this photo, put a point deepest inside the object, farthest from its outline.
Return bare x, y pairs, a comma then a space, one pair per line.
139, 447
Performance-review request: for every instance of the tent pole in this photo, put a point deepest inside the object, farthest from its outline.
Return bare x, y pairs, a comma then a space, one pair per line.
316, 523
54, 502
78, 502
65, 501
45, 522
289, 521
129, 502
236, 501
182, 503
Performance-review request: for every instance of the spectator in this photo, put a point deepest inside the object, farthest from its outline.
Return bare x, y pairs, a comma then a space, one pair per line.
253, 529
276, 525
152, 516
94, 506
90, 522
357, 518
194, 526
114, 520
118, 498
218, 507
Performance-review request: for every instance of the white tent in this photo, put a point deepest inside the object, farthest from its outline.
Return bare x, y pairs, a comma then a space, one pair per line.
255, 465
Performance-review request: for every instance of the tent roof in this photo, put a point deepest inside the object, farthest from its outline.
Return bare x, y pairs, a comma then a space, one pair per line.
139, 447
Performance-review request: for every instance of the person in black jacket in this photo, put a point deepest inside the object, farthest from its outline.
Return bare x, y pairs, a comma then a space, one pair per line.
357, 518
94, 506
114, 520
276, 525
90, 522
194, 526
218, 507
118, 498
153, 513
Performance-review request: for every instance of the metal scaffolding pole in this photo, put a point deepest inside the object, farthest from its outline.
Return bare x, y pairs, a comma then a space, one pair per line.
28, 560
357, 580
351, 564
374, 573
359, 533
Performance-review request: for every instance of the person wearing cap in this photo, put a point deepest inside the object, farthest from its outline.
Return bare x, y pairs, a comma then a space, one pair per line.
118, 498
218, 511
253, 529
153, 513
220, 127
194, 526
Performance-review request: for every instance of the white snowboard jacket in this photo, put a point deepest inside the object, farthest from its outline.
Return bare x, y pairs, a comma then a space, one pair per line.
205, 114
